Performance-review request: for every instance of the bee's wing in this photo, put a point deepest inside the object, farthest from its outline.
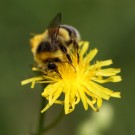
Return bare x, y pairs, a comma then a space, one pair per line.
54, 26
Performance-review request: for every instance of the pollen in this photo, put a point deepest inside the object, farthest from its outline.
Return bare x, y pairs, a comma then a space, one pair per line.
78, 82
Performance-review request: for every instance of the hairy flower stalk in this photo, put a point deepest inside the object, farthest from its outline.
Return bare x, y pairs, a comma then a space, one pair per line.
78, 82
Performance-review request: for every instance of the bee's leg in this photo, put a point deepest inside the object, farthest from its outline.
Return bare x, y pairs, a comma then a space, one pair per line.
64, 50
56, 70
76, 46
70, 64
69, 58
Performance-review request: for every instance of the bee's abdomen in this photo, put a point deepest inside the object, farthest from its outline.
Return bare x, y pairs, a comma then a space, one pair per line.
73, 32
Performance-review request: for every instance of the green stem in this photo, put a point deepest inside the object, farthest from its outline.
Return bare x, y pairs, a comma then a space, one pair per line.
41, 128
41, 117
54, 123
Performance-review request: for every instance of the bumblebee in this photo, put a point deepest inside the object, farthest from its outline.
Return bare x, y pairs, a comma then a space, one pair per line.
55, 45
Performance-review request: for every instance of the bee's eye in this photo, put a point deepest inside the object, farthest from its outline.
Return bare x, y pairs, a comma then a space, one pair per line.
43, 46
52, 66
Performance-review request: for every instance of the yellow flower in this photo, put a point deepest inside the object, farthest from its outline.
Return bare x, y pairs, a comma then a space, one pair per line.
80, 82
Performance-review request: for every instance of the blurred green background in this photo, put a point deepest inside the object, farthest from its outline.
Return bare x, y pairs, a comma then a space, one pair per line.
108, 24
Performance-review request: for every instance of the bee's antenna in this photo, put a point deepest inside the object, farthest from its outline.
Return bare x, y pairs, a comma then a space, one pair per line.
58, 73
70, 64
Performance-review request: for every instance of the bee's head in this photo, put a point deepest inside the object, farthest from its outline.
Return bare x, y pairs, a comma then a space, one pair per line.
52, 66
47, 67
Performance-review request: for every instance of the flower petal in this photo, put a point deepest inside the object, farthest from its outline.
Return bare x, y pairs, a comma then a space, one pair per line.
66, 102
92, 105
85, 46
56, 95
90, 56
38, 78
103, 92
46, 107
106, 63
99, 90
116, 94
109, 79
108, 72
99, 102
83, 98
